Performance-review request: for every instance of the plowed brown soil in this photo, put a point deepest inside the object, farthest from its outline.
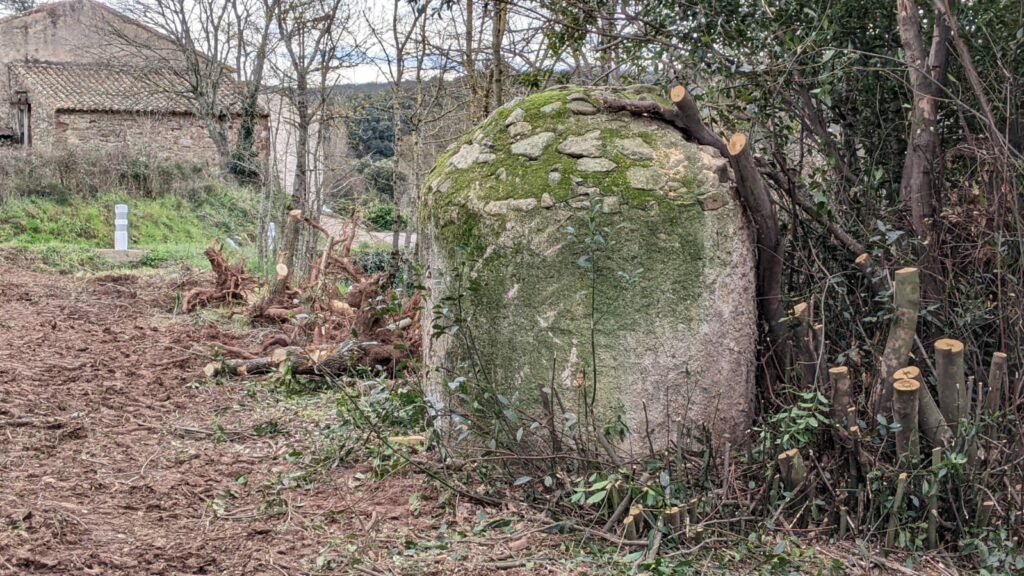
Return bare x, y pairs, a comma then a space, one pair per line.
112, 463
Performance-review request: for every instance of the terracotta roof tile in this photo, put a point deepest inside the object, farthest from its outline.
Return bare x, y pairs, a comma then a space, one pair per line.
100, 88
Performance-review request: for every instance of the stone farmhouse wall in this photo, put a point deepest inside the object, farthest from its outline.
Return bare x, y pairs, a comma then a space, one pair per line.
79, 32
179, 137
74, 32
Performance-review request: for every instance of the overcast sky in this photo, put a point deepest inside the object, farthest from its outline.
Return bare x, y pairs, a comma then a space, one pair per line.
362, 73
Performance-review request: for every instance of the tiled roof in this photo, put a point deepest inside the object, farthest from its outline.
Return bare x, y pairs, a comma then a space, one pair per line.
99, 88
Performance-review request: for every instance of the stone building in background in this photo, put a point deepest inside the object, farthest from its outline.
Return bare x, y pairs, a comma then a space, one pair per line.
70, 79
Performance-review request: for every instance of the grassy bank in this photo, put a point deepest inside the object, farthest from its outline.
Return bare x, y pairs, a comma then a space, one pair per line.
60, 222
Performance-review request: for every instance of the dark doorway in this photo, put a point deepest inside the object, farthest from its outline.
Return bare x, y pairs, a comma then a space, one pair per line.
22, 118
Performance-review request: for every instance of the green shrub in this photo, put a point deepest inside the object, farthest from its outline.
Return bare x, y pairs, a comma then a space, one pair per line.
372, 260
381, 216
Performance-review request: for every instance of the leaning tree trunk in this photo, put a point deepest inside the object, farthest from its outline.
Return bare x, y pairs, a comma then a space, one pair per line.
757, 201
907, 299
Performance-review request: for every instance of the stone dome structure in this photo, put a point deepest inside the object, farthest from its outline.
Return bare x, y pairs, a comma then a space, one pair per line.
600, 253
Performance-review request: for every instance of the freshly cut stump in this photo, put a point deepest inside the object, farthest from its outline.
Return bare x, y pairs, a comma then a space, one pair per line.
629, 290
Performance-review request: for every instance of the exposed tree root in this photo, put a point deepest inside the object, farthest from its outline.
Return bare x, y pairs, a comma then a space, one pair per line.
232, 283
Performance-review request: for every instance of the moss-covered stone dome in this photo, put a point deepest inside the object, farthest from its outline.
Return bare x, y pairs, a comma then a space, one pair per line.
600, 252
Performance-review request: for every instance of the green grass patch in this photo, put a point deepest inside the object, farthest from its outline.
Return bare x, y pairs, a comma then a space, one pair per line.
62, 233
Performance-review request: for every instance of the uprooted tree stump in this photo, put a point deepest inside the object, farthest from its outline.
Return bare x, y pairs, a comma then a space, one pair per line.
232, 283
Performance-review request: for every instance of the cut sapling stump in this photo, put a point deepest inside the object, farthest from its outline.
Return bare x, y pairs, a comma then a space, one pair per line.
673, 519
983, 514
933, 500
894, 512
805, 356
631, 523
949, 373
997, 382
931, 424
792, 469
907, 299
906, 394
839, 376
879, 283
286, 257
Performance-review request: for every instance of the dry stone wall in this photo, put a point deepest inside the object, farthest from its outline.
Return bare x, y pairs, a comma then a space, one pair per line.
181, 137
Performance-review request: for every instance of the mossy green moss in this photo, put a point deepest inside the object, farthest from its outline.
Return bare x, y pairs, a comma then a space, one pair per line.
509, 176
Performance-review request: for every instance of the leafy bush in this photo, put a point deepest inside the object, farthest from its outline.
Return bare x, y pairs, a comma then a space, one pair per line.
372, 260
797, 426
381, 216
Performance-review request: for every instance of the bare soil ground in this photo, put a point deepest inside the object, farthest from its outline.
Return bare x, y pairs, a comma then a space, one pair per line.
114, 460
117, 458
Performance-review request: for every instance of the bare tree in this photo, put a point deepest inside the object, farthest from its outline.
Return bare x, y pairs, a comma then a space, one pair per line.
253, 24
392, 46
202, 36
927, 69
311, 34
313, 52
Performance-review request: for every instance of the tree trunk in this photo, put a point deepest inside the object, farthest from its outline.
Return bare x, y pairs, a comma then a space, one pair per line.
806, 359
907, 299
997, 381
930, 422
922, 167
302, 121
841, 397
761, 211
498, 79
325, 360
905, 411
952, 385
469, 63
285, 267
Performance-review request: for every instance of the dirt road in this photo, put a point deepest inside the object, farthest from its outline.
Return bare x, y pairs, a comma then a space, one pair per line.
114, 460
336, 226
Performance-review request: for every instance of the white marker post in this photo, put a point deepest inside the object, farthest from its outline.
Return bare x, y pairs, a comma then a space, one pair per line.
271, 234
121, 227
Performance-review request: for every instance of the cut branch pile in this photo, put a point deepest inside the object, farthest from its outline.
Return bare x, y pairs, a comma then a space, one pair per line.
377, 327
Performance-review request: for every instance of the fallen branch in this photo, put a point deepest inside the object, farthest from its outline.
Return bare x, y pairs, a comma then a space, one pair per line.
325, 360
761, 211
